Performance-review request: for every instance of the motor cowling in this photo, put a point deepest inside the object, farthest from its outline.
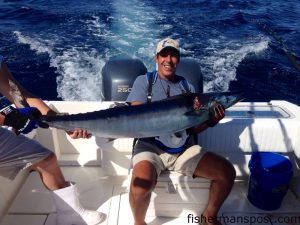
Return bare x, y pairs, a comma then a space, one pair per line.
118, 77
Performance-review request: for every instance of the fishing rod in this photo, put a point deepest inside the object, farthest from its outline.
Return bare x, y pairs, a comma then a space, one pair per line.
292, 58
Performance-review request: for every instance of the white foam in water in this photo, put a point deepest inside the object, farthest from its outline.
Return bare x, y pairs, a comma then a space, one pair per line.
79, 71
35, 44
81, 78
131, 30
97, 28
223, 59
135, 31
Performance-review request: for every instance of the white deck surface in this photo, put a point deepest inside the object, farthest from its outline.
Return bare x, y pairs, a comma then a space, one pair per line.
34, 205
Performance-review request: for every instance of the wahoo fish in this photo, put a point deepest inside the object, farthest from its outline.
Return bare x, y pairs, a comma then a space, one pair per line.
157, 118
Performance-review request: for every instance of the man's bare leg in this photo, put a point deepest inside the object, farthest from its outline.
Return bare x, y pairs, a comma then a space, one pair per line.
143, 182
222, 175
50, 173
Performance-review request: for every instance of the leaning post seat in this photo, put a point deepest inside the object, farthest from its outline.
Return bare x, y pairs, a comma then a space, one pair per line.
118, 76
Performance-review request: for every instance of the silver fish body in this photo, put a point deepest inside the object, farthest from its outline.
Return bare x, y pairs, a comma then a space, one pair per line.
147, 120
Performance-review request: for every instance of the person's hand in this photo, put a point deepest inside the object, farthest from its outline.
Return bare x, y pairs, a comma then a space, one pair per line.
79, 133
23, 120
76, 133
216, 113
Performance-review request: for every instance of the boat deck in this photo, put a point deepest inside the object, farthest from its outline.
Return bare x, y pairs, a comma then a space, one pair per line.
34, 204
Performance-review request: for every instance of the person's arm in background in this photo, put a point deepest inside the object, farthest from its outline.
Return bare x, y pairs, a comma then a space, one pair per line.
5, 88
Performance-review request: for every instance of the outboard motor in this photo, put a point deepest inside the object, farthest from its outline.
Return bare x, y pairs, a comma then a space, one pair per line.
118, 77
190, 70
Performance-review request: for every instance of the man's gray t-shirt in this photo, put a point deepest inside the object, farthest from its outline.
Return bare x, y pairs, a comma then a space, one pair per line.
161, 89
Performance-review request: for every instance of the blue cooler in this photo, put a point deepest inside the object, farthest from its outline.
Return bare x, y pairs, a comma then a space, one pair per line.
269, 179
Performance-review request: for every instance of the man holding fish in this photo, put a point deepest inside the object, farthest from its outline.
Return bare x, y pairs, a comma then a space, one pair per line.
176, 152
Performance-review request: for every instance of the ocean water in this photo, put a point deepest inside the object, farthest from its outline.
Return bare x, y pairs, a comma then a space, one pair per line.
57, 48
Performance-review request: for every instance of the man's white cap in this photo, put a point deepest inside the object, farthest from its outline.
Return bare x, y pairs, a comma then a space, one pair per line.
167, 43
